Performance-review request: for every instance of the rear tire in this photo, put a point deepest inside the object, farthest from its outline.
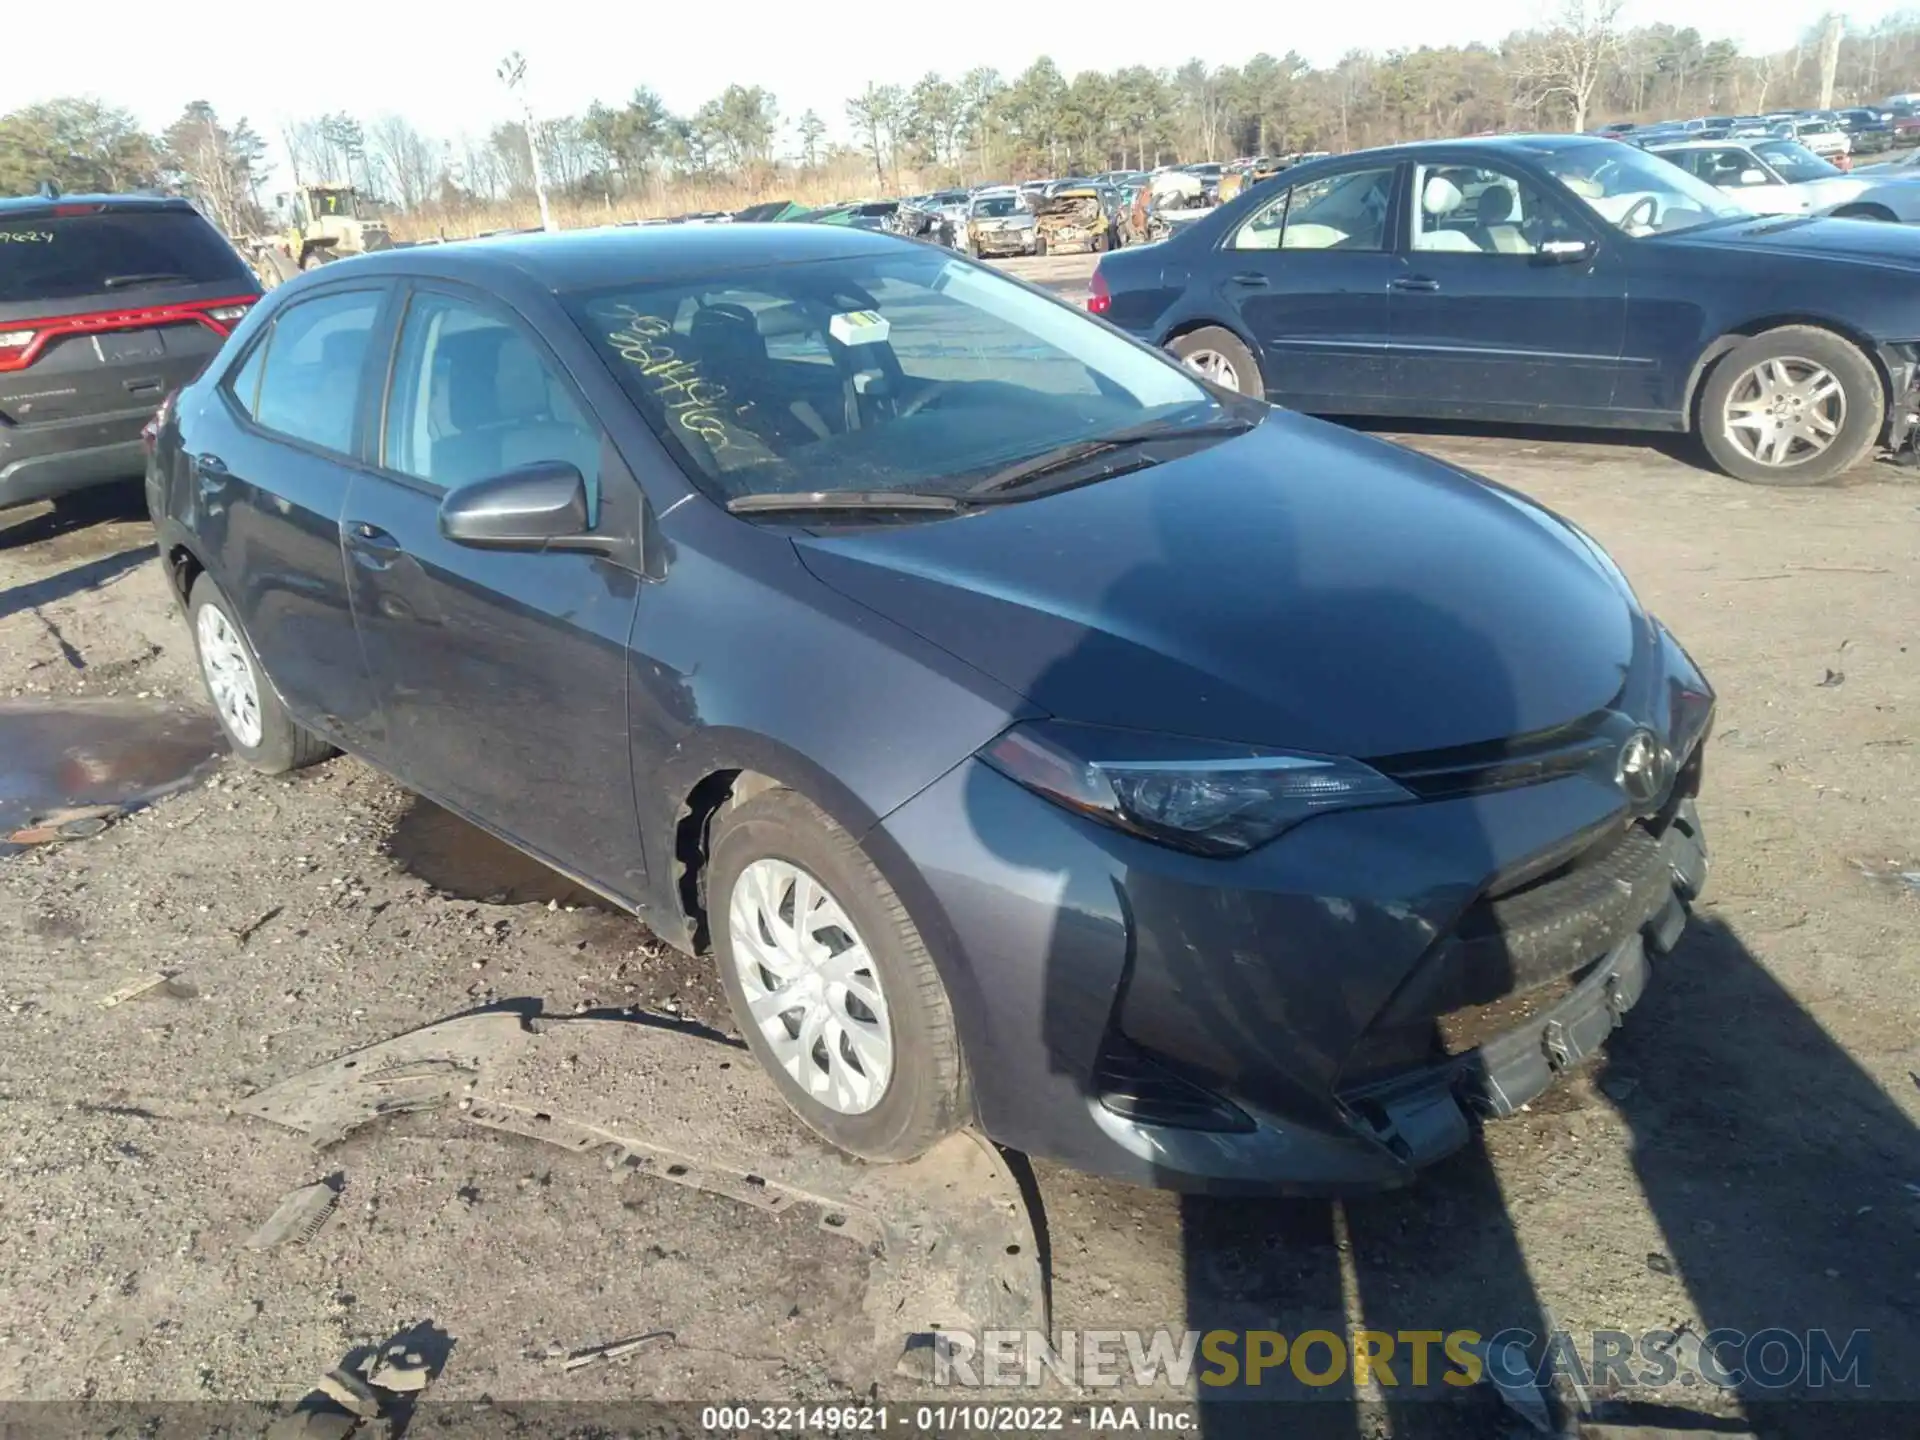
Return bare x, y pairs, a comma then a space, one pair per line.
1218, 355
1770, 383
256, 724
924, 1098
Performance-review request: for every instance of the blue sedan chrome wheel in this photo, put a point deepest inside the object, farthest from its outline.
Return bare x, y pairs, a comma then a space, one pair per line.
1786, 410
1214, 366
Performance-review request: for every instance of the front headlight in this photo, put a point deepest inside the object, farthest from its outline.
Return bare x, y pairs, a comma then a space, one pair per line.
1196, 795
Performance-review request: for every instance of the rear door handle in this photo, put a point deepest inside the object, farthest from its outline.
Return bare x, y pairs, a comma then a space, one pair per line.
1413, 282
1253, 279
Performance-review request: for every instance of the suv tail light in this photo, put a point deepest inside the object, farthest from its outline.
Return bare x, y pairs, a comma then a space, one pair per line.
20, 348
1099, 298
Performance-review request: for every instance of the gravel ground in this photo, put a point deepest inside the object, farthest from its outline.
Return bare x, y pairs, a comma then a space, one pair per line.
1745, 1156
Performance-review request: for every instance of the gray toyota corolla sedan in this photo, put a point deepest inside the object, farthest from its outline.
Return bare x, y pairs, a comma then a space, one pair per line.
1032, 735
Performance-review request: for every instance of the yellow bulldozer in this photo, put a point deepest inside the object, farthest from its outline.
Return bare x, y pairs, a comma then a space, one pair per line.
320, 223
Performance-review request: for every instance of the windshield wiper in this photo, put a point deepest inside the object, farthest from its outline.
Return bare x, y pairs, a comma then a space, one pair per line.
158, 277
1059, 458
774, 502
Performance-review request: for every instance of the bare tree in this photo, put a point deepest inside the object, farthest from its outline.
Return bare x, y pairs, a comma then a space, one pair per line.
1564, 64
407, 160
875, 115
1836, 26
220, 167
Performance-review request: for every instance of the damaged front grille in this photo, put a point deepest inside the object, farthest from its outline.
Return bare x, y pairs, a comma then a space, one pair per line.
1522, 947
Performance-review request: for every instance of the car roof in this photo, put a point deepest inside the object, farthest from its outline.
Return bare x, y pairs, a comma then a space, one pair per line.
19, 206
1523, 146
1701, 144
569, 260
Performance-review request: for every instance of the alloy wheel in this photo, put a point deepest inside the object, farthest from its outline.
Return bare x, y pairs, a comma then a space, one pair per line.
229, 675
1214, 366
1785, 411
811, 986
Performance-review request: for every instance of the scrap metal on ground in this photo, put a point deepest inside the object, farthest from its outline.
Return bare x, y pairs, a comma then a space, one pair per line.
952, 1240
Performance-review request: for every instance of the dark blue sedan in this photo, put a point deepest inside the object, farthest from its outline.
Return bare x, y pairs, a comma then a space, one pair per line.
1033, 736
1554, 280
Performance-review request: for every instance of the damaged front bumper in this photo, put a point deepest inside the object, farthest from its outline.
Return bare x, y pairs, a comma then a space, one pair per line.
1002, 242
1902, 366
1334, 1010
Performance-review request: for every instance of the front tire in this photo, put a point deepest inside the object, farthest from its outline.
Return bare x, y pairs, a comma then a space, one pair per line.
1793, 406
1217, 355
256, 724
830, 982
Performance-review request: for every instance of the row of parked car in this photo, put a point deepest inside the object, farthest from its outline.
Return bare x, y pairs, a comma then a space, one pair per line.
1834, 135
1060, 216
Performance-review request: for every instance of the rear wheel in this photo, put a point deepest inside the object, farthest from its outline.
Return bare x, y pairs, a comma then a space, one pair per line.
1040, 245
1865, 212
1217, 355
1793, 406
257, 725
830, 982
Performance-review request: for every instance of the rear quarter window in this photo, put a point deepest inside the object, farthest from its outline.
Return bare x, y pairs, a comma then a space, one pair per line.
65, 257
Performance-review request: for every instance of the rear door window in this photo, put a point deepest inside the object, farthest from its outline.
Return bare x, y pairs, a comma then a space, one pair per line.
116, 252
1344, 211
309, 385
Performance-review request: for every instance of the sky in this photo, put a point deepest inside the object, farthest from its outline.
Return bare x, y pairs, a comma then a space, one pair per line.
434, 60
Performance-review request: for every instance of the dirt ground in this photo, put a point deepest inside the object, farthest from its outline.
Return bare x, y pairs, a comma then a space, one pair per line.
1744, 1157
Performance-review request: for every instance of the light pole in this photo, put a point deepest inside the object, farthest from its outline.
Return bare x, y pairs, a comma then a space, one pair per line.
513, 74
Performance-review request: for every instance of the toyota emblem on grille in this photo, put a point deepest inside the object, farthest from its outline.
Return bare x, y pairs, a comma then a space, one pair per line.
1642, 771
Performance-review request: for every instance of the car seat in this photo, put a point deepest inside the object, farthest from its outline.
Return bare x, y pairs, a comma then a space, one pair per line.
1494, 216
1440, 198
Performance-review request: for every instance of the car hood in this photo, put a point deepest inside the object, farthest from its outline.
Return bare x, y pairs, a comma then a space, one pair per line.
1816, 238
1299, 586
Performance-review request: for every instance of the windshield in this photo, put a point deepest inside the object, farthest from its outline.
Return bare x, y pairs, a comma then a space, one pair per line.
1638, 193
900, 371
1794, 161
997, 205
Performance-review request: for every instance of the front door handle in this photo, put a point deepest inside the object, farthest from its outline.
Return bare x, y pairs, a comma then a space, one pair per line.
1413, 282
371, 546
1253, 279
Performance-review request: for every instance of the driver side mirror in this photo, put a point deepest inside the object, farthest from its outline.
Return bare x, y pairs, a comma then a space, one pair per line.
542, 506
1566, 252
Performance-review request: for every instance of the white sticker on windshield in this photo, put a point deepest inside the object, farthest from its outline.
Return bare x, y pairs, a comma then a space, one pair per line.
859, 327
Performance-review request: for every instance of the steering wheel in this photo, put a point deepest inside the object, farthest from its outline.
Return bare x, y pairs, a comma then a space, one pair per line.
925, 398
1651, 205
